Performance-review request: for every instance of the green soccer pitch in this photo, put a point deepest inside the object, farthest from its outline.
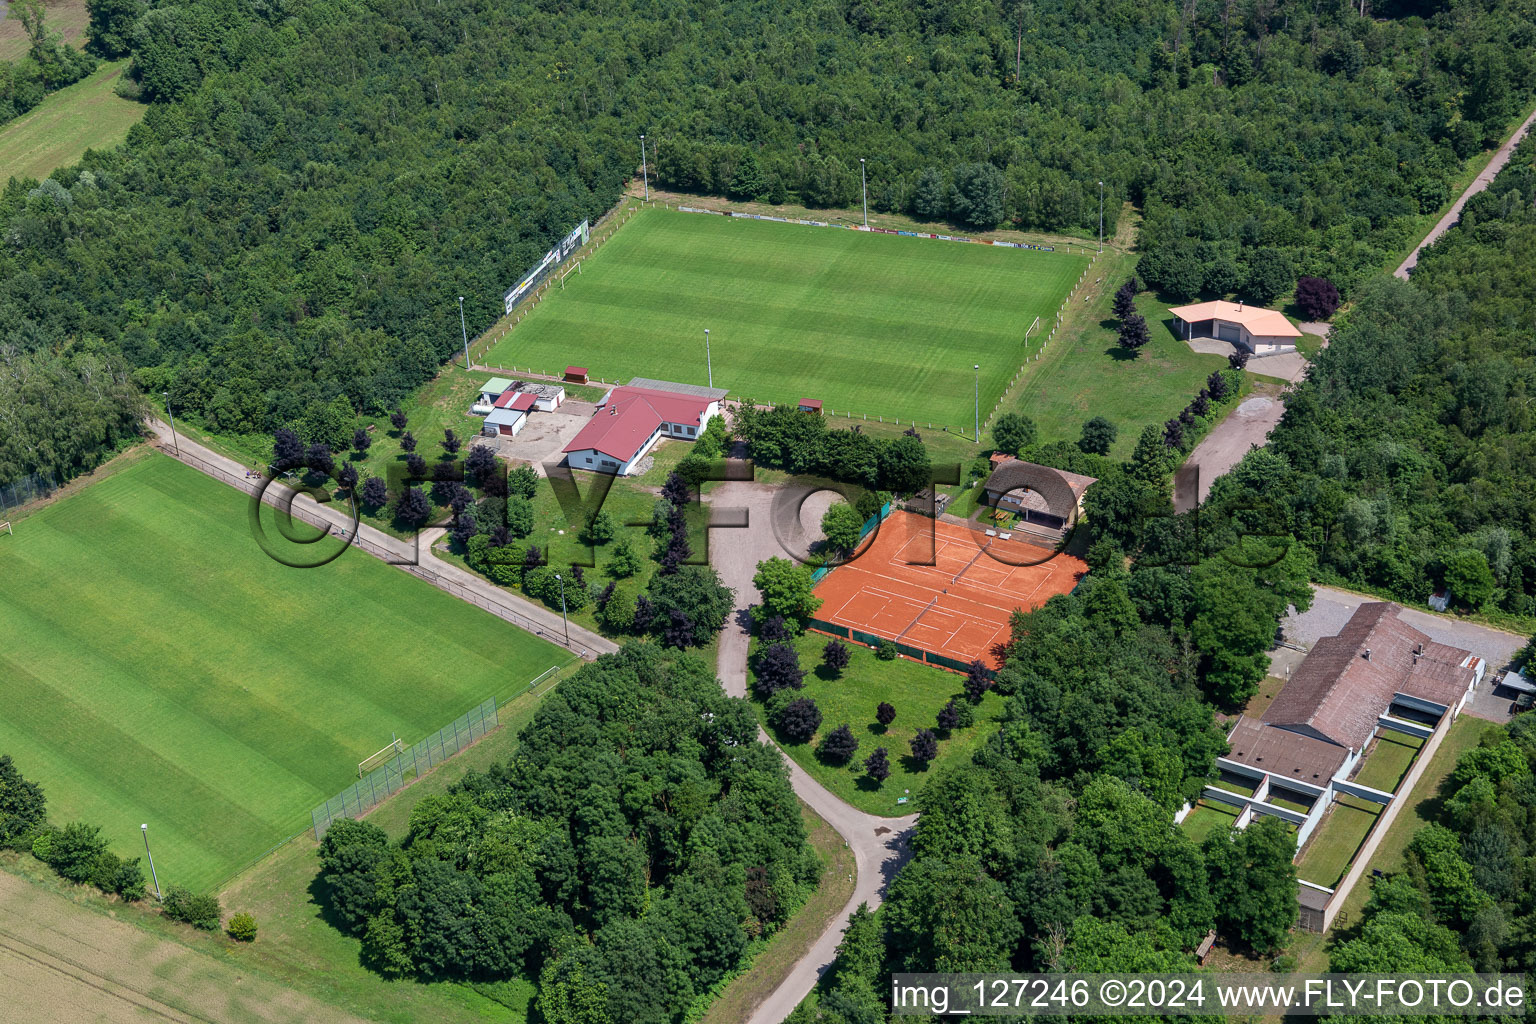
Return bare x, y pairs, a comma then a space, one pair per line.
869, 323
159, 668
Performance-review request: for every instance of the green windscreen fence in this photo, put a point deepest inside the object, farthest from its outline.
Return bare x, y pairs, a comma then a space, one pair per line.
874, 640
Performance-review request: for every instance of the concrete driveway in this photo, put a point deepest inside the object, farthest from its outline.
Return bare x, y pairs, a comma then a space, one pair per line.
545, 436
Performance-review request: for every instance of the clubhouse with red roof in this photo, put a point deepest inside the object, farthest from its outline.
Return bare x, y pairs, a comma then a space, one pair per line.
631, 419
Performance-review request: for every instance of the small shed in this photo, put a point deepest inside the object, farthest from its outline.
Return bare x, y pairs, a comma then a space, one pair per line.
1204, 949
811, 405
1518, 682
547, 397
1440, 600
575, 374
509, 414
492, 390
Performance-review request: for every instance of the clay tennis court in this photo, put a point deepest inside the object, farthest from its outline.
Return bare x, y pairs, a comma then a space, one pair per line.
942, 587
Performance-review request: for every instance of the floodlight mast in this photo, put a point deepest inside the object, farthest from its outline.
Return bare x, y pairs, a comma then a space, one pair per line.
465, 329
644, 172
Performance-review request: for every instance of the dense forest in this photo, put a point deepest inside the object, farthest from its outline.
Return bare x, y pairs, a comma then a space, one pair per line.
293, 222
640, 839
1465, 899
1405, 460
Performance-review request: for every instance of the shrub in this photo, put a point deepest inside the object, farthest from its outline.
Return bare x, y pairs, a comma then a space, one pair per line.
835, 656
74, 851
885, 714
112, 874
242, 927
778, 668
885, 650
799, 720
925, 745
182, 904
839, 745
878, 765
773, 630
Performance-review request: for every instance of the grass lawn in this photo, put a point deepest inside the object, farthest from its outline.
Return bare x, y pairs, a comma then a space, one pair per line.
58, 131
1388, 760
160, 668
917, 692
1207, 817
878, 324
1236, 783
1085, 372
1333, 845
1300, 806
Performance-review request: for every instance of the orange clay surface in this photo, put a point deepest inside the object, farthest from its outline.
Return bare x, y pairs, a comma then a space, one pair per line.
942, 587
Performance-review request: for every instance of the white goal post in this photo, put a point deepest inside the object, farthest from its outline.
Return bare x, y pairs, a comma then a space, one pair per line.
7, 528
370, 763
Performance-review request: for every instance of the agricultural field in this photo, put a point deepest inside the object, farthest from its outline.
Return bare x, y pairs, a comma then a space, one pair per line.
916, 691
58, 131
68, 18
869, 323
160, 668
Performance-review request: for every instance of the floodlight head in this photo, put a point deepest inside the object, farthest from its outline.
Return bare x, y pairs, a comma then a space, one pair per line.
461, 298
143, 828
976, 366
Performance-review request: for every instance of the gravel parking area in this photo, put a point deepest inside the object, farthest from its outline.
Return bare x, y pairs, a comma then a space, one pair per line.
545, 436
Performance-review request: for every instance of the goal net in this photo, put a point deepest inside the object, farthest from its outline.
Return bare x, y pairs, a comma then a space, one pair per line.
369, 764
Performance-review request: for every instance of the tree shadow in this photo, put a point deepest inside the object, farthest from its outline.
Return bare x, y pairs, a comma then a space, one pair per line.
876, 729
826, 674
865, 784
915, 765
1121, 354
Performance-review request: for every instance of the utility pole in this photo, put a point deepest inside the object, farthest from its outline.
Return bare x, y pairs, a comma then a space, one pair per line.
562, 610
465, 330
646, 174
977, 368
1101, 216
710, 366
864, 188
145, 830
172, 415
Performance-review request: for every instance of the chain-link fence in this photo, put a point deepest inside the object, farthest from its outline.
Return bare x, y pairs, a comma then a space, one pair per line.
28, 488
393, 774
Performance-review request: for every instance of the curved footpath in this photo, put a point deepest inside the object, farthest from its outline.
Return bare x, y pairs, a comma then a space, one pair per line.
880, 845
1479, 183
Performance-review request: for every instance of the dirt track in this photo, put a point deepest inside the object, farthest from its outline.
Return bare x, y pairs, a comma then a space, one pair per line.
64, 963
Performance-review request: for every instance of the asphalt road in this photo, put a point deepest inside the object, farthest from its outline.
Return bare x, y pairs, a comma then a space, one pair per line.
1479, 183
880, 845
1247, 425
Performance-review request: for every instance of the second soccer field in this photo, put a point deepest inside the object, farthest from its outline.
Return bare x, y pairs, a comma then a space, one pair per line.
876, 324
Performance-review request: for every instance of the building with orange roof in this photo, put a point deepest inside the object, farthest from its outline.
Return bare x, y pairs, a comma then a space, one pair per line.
1259, 330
